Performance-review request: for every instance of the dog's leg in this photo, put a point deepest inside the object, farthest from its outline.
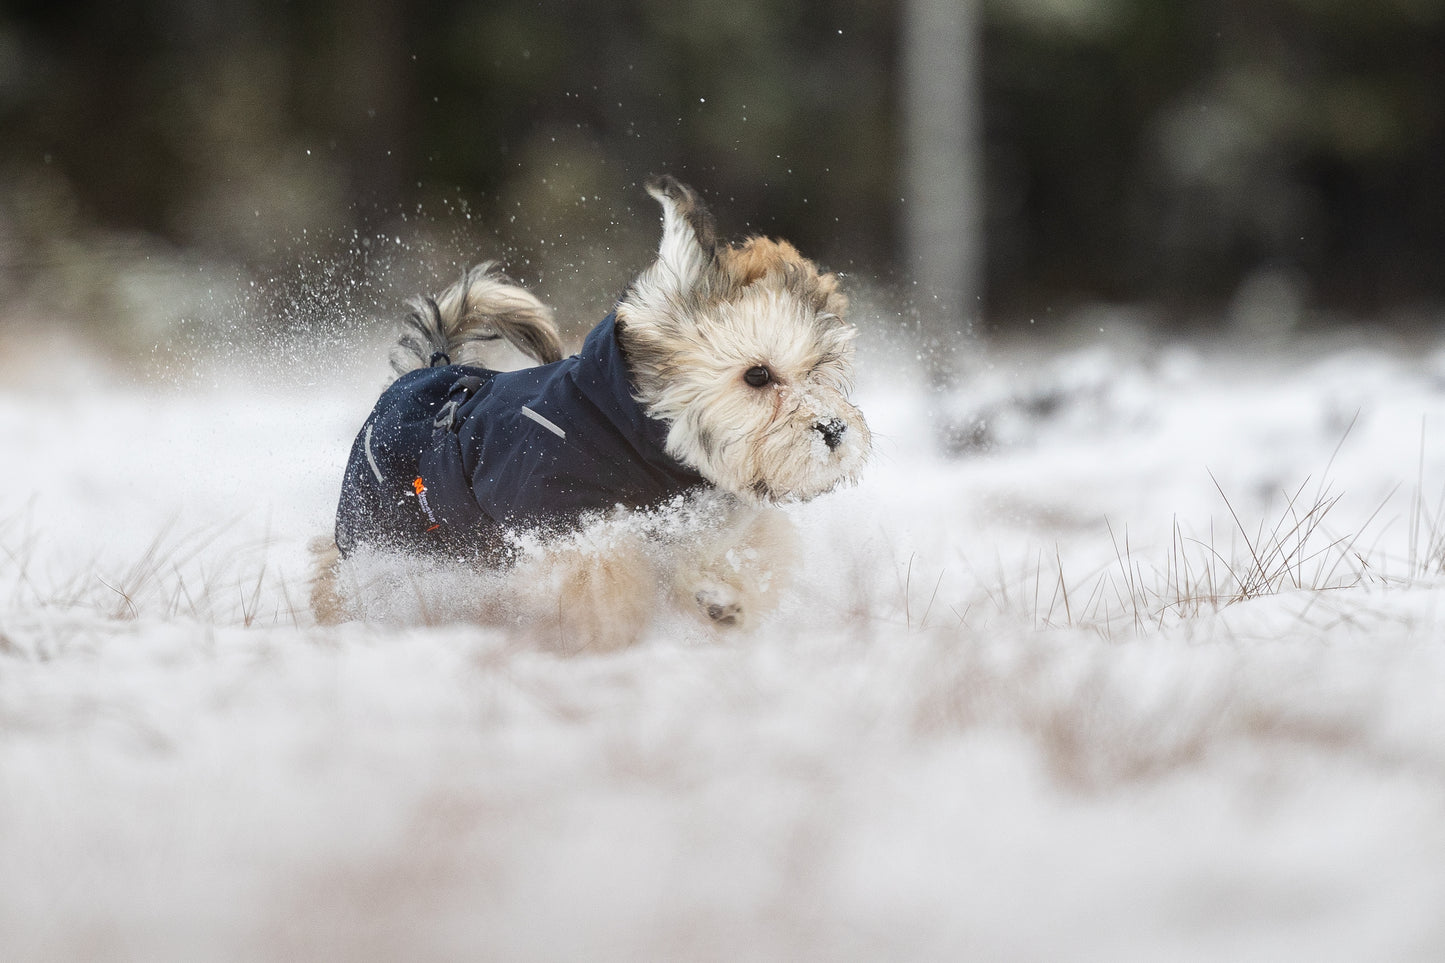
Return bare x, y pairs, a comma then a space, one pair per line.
588, 596
327, 604
738, 576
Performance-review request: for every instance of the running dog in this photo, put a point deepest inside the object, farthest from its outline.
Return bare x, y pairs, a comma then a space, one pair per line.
649, 464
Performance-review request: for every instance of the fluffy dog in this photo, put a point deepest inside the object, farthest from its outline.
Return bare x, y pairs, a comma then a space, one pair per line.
648, 464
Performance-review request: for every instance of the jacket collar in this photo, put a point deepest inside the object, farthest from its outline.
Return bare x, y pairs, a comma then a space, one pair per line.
602, 378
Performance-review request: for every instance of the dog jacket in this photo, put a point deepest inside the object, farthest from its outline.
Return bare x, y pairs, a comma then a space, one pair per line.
452, 455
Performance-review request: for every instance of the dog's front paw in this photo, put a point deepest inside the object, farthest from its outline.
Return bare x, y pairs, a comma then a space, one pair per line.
722, 604
735, 577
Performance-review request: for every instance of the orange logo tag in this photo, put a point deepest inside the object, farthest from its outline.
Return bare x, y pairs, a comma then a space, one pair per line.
419, 487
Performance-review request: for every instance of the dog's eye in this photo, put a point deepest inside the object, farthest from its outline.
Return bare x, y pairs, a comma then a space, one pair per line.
757, 377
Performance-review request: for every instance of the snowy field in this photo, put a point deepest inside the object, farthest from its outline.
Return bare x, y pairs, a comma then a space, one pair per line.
1124, 650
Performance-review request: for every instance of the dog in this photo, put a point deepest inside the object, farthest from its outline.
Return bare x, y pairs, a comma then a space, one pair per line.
650, 463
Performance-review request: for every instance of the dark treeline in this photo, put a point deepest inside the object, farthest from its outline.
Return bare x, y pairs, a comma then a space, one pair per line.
1135, 150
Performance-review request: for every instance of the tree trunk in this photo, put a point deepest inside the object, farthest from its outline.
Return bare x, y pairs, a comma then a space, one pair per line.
942, 173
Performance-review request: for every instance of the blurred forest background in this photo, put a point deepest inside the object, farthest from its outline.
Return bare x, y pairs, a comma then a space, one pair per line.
173, 157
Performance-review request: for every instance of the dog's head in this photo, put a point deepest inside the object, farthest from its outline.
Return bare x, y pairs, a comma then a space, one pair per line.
743, 351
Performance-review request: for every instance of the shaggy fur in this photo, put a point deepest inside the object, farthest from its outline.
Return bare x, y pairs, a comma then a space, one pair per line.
703, 316
484, 307
742, 351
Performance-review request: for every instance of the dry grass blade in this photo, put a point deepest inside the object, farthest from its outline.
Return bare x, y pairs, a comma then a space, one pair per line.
1258, 569
1292, 549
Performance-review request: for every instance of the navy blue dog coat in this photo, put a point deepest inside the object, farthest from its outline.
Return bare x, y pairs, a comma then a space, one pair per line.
451, 455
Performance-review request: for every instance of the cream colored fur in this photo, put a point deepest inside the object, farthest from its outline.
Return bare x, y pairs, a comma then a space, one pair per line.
472, 321
599, 589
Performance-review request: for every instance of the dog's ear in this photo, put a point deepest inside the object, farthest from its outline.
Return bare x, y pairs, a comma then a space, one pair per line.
689, 237
764, 259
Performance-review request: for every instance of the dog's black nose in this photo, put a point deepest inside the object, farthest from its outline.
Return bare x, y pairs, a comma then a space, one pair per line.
832, 432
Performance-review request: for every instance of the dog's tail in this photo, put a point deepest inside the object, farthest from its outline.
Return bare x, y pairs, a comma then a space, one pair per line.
482, 309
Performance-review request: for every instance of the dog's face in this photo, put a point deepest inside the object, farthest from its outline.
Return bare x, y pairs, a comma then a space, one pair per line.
743, 350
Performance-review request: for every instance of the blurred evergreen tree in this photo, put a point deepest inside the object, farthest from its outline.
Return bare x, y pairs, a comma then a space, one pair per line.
1133, 149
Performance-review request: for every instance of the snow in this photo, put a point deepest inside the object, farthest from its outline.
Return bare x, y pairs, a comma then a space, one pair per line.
1087, 686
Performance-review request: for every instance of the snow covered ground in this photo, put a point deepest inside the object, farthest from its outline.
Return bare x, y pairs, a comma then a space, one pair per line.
1123, 651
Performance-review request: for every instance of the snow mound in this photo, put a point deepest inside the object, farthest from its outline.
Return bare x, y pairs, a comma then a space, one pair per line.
1146, 668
